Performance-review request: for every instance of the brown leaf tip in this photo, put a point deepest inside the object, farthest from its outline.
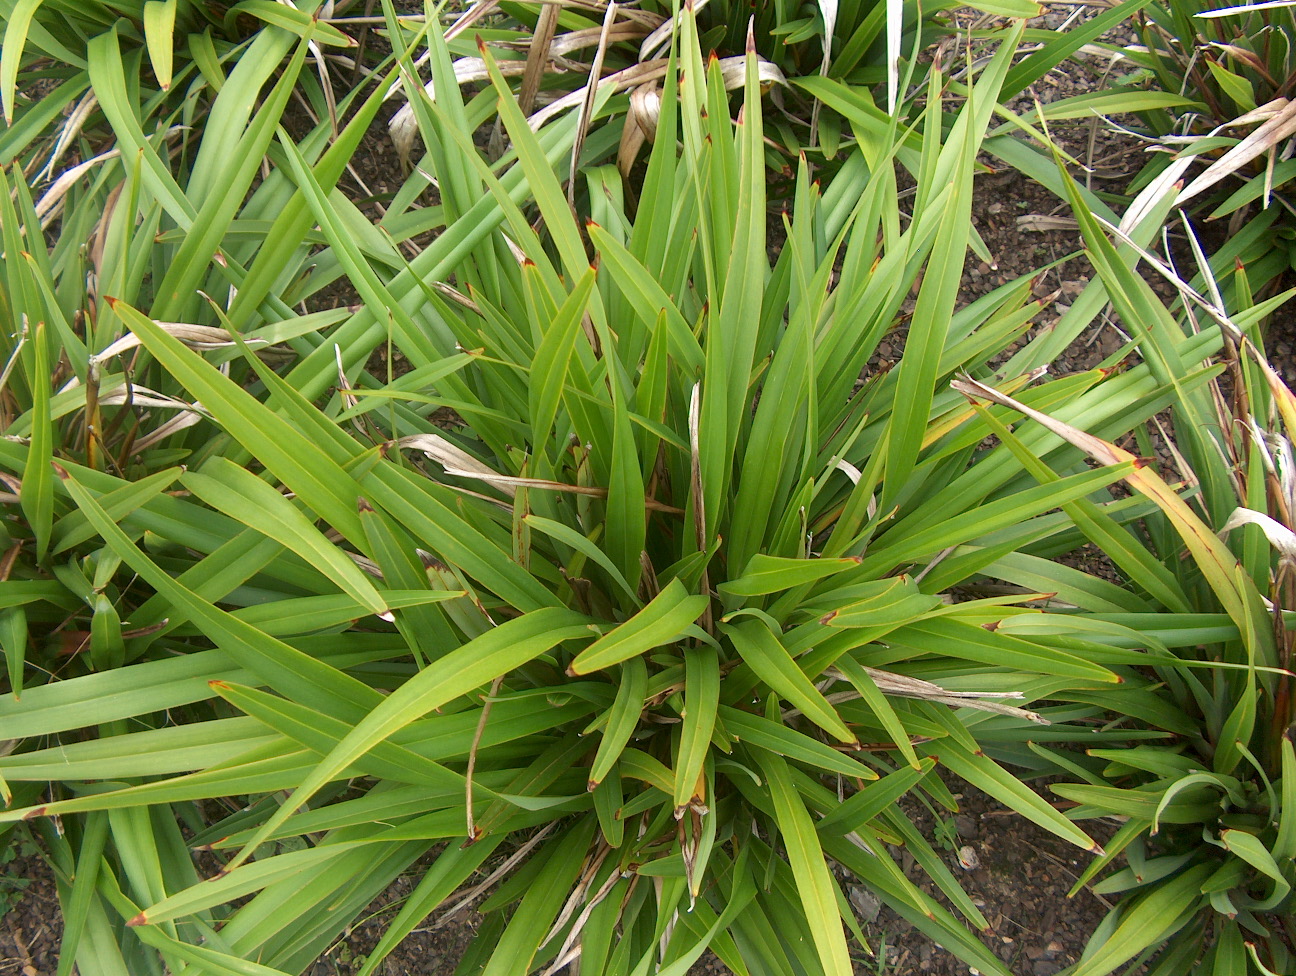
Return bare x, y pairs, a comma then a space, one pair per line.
828, 617
362, 504
751, 34
138, 920
33, 813
59, 470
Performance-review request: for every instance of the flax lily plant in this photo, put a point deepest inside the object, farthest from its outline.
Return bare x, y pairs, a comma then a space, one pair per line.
621, 610
1203, 857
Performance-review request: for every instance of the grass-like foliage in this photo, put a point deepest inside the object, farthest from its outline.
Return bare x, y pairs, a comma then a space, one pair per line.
554, 56
1227, 70
1209, 815
624, 607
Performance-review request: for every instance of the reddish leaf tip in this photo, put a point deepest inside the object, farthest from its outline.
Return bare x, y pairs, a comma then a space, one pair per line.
217, 685
59, 470
34, 813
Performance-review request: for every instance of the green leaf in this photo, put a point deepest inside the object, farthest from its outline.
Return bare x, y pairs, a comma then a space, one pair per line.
759, 731
1250, 849
17, 22
622, 717
769, 659
299, 22
815, 886
953, 638
1147, 922
13, 642
549, 366
769, 574
36, 495
1284, 846
471, 666
991, 778
159, 28
701, 699
660, 622
298, 463
865, 804
229, 488
281, 666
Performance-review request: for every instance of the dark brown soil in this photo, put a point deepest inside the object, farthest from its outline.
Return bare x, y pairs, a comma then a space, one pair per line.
31, 924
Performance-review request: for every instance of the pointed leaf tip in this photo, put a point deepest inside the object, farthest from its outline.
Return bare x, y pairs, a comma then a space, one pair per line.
362, 504
138, 920
61, 471
34, 813
217, 685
